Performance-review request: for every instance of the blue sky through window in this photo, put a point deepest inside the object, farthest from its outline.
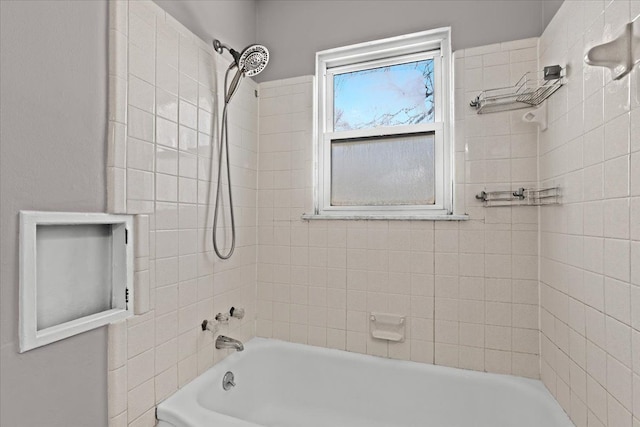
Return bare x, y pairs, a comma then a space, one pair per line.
386, 96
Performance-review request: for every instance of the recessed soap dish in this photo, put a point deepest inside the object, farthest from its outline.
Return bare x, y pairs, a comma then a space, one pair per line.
385, 326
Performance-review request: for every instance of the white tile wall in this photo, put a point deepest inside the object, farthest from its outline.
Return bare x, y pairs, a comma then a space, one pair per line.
161, 159
117, 128
469, 289
588, 357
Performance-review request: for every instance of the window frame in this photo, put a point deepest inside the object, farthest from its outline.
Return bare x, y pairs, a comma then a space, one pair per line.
432, 44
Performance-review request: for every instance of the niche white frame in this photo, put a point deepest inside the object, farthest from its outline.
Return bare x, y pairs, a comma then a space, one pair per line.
122, 229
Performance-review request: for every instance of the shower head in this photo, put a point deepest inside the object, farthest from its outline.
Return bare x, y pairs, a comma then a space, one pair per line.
253, 59
250, 62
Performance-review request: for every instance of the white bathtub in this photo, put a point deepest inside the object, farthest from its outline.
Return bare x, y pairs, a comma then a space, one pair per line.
280, 384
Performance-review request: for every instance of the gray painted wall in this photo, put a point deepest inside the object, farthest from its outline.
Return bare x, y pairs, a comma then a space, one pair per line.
295, 30
53, 101
233, 22
549, 10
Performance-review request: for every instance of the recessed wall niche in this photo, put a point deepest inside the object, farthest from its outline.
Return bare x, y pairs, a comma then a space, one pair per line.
76, 273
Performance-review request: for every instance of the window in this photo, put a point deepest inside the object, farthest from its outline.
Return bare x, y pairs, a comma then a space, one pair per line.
383, 138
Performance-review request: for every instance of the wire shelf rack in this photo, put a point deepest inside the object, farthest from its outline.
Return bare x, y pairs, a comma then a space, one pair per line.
531, 90
521, 197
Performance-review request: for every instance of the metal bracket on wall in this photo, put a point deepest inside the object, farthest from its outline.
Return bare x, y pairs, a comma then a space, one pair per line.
520, 197
531, 90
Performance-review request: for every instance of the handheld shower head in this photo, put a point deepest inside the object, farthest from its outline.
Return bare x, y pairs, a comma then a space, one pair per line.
253, 59
250, 62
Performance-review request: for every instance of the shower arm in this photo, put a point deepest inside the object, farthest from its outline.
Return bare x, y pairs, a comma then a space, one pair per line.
219, 47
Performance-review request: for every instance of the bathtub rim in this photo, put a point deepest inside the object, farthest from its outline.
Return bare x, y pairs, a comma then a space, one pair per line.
172, 409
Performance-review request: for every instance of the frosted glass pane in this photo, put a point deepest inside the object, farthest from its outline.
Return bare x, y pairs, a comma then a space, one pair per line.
74, 276
386, 96
396, 170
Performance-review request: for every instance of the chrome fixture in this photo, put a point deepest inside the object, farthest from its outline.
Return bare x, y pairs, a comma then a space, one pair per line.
520, 197
228, 381
224, 341
238, 313
250, 62
222, 318
531, 90
211, 326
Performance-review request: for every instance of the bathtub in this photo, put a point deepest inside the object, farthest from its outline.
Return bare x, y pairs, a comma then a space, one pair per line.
279, 384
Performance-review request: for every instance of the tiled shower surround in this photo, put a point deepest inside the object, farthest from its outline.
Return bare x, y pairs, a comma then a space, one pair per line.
160, 160
468, 289
590, 246
476, 293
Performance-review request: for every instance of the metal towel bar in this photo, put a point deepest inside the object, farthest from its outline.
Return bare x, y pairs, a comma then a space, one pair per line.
521, 197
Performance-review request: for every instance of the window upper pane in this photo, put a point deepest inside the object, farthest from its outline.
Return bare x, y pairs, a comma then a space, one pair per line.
401, 94
386, 171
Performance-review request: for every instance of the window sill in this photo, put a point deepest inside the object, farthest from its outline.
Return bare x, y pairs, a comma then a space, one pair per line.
456, 217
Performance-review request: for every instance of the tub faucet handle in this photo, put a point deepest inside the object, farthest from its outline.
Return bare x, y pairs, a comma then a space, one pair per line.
222, 317
211, 326
238, 313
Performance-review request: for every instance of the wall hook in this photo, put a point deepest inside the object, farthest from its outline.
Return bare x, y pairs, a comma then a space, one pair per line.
537, 116
619, 55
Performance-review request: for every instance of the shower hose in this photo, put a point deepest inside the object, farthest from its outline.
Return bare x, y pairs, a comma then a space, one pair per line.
224, 146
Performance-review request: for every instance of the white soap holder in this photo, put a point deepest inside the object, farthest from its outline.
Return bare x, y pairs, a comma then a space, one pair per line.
537, 116
385, 326
619, 55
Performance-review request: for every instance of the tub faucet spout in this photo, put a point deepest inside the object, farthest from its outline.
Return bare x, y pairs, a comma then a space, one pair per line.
227, 342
